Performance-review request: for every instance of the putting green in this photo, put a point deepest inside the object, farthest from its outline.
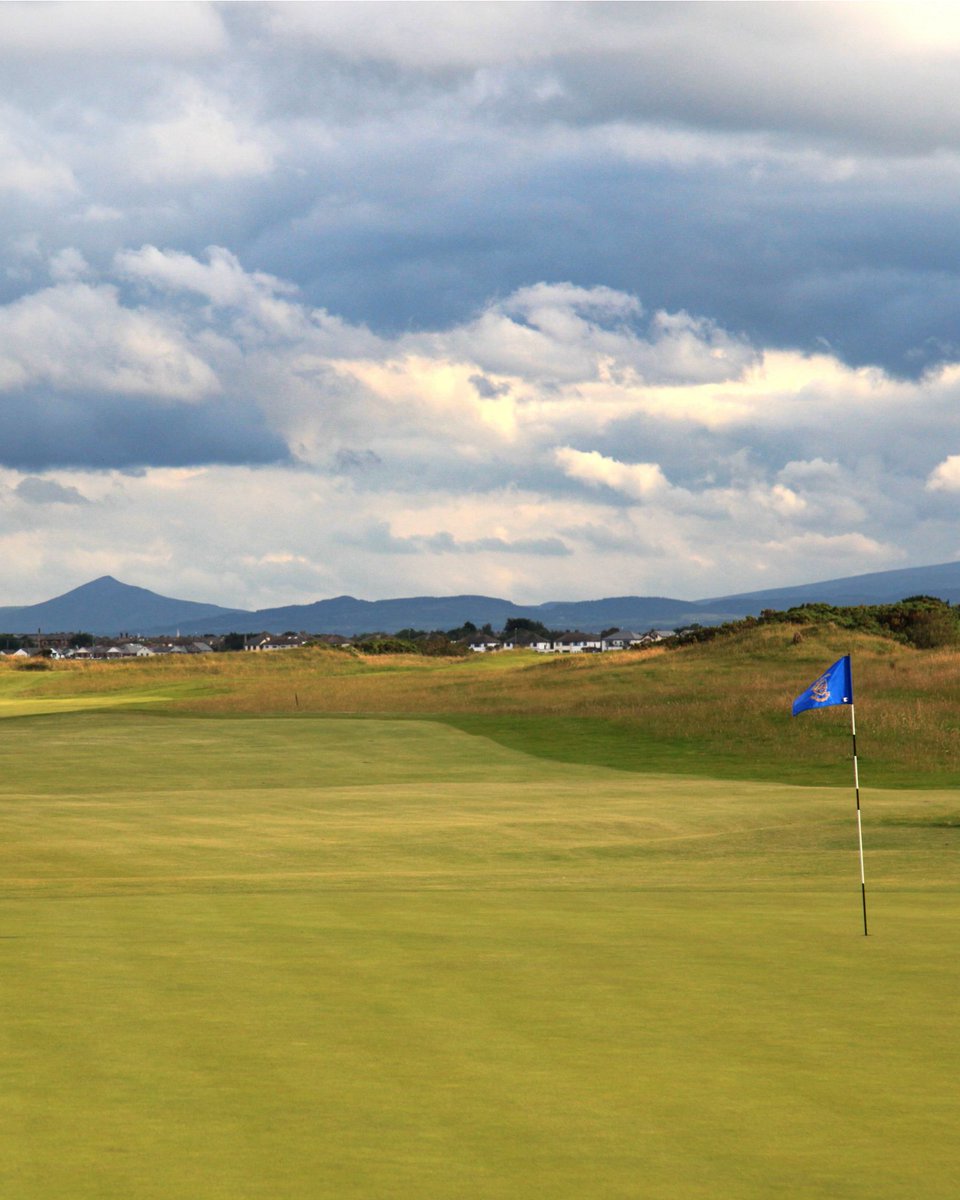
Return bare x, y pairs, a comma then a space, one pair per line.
312, 958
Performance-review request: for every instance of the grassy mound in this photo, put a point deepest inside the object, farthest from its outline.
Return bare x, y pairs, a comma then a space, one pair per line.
719, 710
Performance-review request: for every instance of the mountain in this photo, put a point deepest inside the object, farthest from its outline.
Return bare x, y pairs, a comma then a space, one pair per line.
108, 607
879, 587
349, 616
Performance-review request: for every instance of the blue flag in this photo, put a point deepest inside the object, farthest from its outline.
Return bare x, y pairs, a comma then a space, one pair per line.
835, 686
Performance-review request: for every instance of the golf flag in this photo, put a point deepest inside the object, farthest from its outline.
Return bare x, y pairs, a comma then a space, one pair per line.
835, 686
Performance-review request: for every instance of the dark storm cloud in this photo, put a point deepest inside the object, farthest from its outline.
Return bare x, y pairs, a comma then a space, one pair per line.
773, 167
784, 259
43, 429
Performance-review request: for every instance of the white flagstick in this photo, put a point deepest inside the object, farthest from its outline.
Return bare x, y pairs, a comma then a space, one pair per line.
856, 788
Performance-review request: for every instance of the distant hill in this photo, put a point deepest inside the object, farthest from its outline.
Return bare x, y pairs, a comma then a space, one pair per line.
349, 616
880, 587
107, 607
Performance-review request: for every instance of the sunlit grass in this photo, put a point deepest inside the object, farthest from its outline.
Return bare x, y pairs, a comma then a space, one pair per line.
249, 958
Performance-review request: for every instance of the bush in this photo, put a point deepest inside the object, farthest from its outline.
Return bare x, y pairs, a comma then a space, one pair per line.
387, 645
933, 628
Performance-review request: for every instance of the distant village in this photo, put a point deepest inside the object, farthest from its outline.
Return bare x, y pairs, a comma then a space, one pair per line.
467, 639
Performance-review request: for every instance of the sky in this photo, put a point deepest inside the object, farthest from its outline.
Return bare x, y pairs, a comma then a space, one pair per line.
542, 301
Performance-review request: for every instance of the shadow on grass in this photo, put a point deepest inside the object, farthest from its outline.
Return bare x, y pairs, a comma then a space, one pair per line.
603, 743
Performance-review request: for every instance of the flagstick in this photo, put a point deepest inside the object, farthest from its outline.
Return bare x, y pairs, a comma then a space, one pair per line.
856, 788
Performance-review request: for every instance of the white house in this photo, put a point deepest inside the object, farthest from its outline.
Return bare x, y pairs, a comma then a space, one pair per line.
578, 643
622, 639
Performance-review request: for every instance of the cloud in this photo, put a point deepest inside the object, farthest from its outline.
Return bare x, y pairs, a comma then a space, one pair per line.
402, 180
199, 139
34, 490
487, 389
221, 279
559, 298
96, 431
945, 477
67, 265
781, 68
780, 446
814, 473
105, 30
637, 480
379, 538
427, 37
838, 548
77, 336
27, 167
562, 332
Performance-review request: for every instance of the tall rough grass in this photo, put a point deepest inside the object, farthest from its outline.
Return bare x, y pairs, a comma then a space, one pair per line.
721, 706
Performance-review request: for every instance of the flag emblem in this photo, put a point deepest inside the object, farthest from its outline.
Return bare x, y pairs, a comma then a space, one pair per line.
834, 686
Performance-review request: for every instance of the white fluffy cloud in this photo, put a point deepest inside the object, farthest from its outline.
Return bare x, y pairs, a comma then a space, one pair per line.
637, 480
221, 279
447, 457
945, 477
563, 333
77, 336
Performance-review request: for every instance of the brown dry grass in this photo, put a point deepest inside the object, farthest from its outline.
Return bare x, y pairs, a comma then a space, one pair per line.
728, 701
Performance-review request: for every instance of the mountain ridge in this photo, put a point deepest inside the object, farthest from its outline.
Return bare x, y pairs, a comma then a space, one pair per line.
124, 607
107, 607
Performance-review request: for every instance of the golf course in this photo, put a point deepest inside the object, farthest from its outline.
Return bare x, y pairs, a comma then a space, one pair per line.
312, 924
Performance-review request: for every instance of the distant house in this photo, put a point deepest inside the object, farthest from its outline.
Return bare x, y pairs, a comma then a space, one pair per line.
485, 643
136, 650
578, 643
129, 650
622, 639
277, 641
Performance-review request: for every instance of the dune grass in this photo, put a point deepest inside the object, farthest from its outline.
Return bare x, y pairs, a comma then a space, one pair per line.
259, 958
717, 710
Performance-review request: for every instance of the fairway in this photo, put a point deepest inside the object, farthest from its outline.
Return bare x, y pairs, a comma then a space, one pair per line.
308, 957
